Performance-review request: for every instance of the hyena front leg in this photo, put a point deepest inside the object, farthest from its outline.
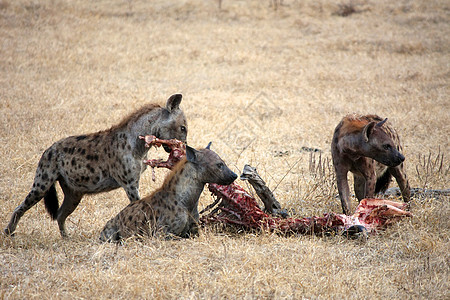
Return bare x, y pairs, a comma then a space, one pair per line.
132, 189
129, 178
359, 183
132, 192
111, 232
367, 170
402, 181
70, 203
344, 190
371, 181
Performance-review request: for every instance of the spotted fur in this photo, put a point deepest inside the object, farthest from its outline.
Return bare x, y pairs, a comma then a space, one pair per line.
100, 162
369, 147
172, 209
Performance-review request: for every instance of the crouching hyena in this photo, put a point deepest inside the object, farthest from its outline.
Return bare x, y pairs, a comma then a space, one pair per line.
172, 209
100, 162
370, 148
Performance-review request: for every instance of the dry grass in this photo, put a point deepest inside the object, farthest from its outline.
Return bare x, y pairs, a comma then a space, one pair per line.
264, 85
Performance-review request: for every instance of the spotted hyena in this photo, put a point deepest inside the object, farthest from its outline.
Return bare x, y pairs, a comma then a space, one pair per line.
172, 209
369, 147
101, 161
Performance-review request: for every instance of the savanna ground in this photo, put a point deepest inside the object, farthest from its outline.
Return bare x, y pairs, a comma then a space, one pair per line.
266, 86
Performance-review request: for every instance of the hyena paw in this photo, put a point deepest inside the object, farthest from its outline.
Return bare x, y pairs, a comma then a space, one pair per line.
7, 231
110, 235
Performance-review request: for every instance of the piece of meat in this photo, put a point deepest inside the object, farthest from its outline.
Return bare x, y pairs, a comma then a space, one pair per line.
178, 151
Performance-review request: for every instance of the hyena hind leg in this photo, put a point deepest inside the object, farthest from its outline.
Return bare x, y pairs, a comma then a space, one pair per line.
44, 180
37, 192
70, 203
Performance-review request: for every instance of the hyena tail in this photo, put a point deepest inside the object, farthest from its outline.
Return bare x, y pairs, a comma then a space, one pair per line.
383, 182
51, 202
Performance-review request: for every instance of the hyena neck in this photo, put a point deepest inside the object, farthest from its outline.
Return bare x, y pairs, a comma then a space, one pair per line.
184, 184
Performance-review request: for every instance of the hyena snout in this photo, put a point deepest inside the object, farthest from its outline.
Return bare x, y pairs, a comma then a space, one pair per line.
401, 158
220, 174
393, 159
398, 159
228, 178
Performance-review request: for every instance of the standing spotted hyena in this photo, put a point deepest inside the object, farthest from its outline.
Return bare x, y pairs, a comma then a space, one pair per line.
369, 147
100, 162
172, 209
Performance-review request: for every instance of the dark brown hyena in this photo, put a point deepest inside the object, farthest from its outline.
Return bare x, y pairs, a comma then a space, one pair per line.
369, 147
172, 209
100, 162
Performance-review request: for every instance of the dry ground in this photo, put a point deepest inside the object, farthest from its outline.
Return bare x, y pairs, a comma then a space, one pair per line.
265, 85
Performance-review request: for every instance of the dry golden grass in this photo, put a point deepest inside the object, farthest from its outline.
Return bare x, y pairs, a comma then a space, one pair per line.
261, 84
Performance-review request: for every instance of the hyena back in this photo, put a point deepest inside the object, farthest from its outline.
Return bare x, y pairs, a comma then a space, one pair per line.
100, 162
172, 209
369, 147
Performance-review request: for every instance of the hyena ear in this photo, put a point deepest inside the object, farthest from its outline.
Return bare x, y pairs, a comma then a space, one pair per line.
367, 131
191, 154
209, 145
173, 102
379, 124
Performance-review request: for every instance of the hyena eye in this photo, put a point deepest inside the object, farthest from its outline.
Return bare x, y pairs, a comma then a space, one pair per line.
183, 128
386, 147
220, 165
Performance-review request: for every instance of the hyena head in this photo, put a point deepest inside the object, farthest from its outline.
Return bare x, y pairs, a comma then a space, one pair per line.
380, 146
210, 167
173, 123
